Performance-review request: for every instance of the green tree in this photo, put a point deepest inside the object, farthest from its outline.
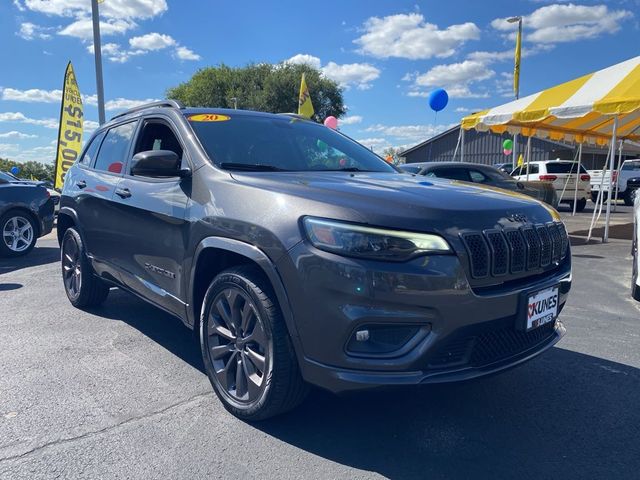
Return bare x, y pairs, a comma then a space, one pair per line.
29, 170
264, 87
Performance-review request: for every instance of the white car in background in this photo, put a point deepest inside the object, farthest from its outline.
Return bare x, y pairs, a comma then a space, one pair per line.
630, 169
563, 174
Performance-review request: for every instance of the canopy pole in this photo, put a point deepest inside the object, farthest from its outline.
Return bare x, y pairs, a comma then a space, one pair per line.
515, 149
575, 193
597, 210
528, 154
612, 161
615, 205
462, 144
455, 152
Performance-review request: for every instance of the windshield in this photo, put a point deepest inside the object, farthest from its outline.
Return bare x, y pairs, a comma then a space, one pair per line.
288, 144
631, 165
7, 177
564, 167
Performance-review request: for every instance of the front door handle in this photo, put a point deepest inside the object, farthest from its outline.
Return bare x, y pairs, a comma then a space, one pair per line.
81, 184
123, 192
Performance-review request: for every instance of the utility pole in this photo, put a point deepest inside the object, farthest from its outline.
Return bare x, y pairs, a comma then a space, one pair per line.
97, 53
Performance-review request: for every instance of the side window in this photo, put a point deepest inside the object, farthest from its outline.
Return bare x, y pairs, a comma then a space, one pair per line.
115, 147
91, 151
452, 173
158, 136
478, 177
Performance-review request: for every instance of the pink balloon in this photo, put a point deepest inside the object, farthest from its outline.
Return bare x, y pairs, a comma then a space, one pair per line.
331, 122
507, 152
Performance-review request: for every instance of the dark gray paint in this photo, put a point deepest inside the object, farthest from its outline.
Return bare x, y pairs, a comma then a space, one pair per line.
170, 223
28, 197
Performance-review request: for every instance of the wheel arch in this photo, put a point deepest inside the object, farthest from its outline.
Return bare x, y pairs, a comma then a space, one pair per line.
215, 254
67, 218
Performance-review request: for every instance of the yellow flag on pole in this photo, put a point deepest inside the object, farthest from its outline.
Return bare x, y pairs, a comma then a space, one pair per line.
70, 129
520, 161
516, 67
305, 107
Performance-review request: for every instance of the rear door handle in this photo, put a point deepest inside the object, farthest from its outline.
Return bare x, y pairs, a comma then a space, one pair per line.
81, 184
123, 192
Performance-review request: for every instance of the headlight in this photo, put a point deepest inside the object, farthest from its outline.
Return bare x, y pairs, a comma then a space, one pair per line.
368, 242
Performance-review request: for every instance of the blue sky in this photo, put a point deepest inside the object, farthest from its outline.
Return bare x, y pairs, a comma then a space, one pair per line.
388, 55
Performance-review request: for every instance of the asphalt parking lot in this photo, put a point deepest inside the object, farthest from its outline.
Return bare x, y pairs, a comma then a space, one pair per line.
119, 392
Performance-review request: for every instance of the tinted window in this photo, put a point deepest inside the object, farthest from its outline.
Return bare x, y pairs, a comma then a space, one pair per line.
564, 167
158, 136
115, 147
284, 143
451, 173
478, 177
410, 168
90, 153
631, 166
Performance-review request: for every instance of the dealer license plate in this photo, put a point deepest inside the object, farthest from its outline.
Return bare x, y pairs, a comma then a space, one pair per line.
542, 307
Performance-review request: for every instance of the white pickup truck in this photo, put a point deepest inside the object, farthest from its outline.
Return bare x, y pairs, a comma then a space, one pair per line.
630, 169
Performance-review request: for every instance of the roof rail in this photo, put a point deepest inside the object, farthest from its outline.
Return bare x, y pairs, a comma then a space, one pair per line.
160, 103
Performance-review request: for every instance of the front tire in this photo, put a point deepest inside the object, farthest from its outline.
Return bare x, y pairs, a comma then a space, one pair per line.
82, 287
629, 197
246, 349
19, 234
635, 290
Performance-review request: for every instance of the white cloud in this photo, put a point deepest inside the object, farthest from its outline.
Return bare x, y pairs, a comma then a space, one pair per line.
455, 78
32, 95
373, 142
31, 31
90, 126
351, 120
184, 53
462, 110
18, 5
8, 148
409, 132
110, 9
359, 74
83, 28
125, 103
566, 23
16, 134
152, 41
18, 117
409, 36
304, 59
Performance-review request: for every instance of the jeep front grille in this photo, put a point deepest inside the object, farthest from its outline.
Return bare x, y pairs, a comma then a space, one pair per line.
515, 250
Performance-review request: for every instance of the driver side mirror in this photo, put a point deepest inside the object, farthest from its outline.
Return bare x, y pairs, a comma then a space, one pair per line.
157, 164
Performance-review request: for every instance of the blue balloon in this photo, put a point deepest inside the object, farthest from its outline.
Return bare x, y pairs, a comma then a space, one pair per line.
438, 99
15, 170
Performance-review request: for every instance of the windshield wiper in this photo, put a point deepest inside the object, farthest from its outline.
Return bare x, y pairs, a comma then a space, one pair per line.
346, 169
255, 167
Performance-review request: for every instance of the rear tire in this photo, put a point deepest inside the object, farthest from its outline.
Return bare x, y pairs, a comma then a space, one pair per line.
580, 206
246, 349
594, 196
629, 197
19, 234
82, 287
635, 290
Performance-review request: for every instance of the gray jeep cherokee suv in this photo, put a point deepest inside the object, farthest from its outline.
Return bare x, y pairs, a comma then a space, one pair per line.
302, 258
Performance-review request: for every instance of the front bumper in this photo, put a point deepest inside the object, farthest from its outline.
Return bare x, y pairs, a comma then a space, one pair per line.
458, 334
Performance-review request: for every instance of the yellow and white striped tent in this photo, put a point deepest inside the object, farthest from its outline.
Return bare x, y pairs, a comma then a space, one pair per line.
581, 110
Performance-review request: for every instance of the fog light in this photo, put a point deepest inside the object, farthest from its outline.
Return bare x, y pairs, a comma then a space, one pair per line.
372, 340
362, 335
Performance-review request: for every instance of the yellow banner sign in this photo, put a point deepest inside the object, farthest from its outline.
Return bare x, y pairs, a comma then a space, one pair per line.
70, 129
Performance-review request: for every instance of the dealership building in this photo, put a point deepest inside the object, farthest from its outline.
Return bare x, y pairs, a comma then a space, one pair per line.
486, 148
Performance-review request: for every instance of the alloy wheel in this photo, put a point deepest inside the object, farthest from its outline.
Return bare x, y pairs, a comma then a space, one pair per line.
71, 268
238, 347
17, 234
